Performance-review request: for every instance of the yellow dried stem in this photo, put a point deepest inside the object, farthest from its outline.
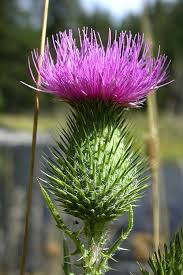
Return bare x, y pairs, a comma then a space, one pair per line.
153, 143
153, 153
33, 148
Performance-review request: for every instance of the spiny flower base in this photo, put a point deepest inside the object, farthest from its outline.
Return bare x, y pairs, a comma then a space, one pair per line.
94, 175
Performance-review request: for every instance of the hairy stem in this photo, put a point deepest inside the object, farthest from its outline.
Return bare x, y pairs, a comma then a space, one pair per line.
95, 233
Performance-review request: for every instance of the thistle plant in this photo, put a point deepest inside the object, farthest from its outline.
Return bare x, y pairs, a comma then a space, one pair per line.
169, 261
96, 172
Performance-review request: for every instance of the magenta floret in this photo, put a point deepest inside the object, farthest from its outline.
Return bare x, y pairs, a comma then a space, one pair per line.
123, 72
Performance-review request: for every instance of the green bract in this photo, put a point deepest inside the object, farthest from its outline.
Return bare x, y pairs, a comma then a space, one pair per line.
96, 174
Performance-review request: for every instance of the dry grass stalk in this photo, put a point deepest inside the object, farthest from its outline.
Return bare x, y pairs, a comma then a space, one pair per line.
33, 148
153, 143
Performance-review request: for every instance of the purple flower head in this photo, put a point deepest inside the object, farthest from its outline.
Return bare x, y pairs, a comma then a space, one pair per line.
122, 71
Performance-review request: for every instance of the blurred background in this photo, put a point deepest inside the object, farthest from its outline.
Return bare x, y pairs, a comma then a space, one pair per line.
20, 22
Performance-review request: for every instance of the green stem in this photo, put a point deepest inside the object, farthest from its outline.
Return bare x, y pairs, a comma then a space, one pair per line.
96, 257
95, 233
108, 254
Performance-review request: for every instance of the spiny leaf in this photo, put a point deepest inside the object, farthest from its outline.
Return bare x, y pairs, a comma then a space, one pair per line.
169, 261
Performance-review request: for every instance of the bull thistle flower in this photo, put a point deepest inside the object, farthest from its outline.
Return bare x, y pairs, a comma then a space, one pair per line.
96, 173
121, 72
